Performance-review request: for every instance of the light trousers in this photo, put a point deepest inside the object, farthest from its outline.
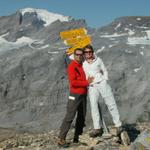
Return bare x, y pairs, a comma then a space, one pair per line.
94, 92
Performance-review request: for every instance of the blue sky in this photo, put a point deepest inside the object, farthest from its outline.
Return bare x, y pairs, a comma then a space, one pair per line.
97, 13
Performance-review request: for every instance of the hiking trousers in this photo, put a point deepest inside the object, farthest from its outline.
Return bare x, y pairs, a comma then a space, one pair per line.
103, 88
76, 104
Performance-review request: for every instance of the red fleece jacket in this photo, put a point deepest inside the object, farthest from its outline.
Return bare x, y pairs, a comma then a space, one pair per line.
77, 79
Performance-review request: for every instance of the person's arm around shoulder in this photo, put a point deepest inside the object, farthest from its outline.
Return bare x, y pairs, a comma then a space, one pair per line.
85, 68
72, 78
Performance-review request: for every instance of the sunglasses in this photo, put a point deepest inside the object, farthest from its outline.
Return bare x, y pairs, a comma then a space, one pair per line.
79, 54
88, 52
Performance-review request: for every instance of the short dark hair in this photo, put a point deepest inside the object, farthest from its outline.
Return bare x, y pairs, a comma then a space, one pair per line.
89, 47
78, 49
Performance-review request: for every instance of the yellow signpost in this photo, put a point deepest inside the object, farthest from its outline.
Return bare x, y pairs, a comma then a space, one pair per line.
76, 38
73, 33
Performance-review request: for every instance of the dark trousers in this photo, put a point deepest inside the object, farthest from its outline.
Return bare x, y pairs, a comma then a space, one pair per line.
78, 105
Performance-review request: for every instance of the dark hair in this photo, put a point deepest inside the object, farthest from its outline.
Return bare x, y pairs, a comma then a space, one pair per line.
89, 47
78, 49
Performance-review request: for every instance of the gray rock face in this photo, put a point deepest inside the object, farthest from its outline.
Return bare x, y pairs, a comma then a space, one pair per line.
142, 141
127, 61
33, 79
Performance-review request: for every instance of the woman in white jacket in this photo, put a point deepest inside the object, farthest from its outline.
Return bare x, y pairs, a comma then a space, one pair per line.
94, 67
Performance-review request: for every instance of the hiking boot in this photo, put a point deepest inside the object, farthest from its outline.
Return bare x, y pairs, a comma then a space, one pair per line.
96, 132
62, 143
76, 139
119, 130
123, 135
116, 131
125, 140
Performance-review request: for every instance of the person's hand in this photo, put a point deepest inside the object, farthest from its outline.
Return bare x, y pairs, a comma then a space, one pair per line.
101, 71
90, 79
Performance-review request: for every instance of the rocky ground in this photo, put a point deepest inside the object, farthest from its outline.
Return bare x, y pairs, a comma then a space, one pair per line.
12, 140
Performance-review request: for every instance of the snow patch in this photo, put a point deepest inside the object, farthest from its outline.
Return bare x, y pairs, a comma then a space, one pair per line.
111, 45
51, 59
128, 51
142, 53
29, 24
39, 42
138, 19
130, 32
46, 16
137, 69
142, 27
5, 34
61, 48
148, 33
44, 46
6, 45
56, 52
117, 26
41, 104
138, 40
113, 35
21, 29
100, 50
24, 40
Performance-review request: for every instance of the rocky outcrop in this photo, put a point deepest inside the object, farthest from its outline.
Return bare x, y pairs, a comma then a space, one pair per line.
48, 140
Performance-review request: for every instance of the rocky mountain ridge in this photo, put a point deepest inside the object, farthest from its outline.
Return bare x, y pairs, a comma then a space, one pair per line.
33, 80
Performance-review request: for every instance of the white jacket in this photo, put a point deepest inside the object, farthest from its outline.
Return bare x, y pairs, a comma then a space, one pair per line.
93, 70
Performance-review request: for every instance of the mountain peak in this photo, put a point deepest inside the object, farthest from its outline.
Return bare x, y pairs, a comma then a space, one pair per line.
45, 15
133, 20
